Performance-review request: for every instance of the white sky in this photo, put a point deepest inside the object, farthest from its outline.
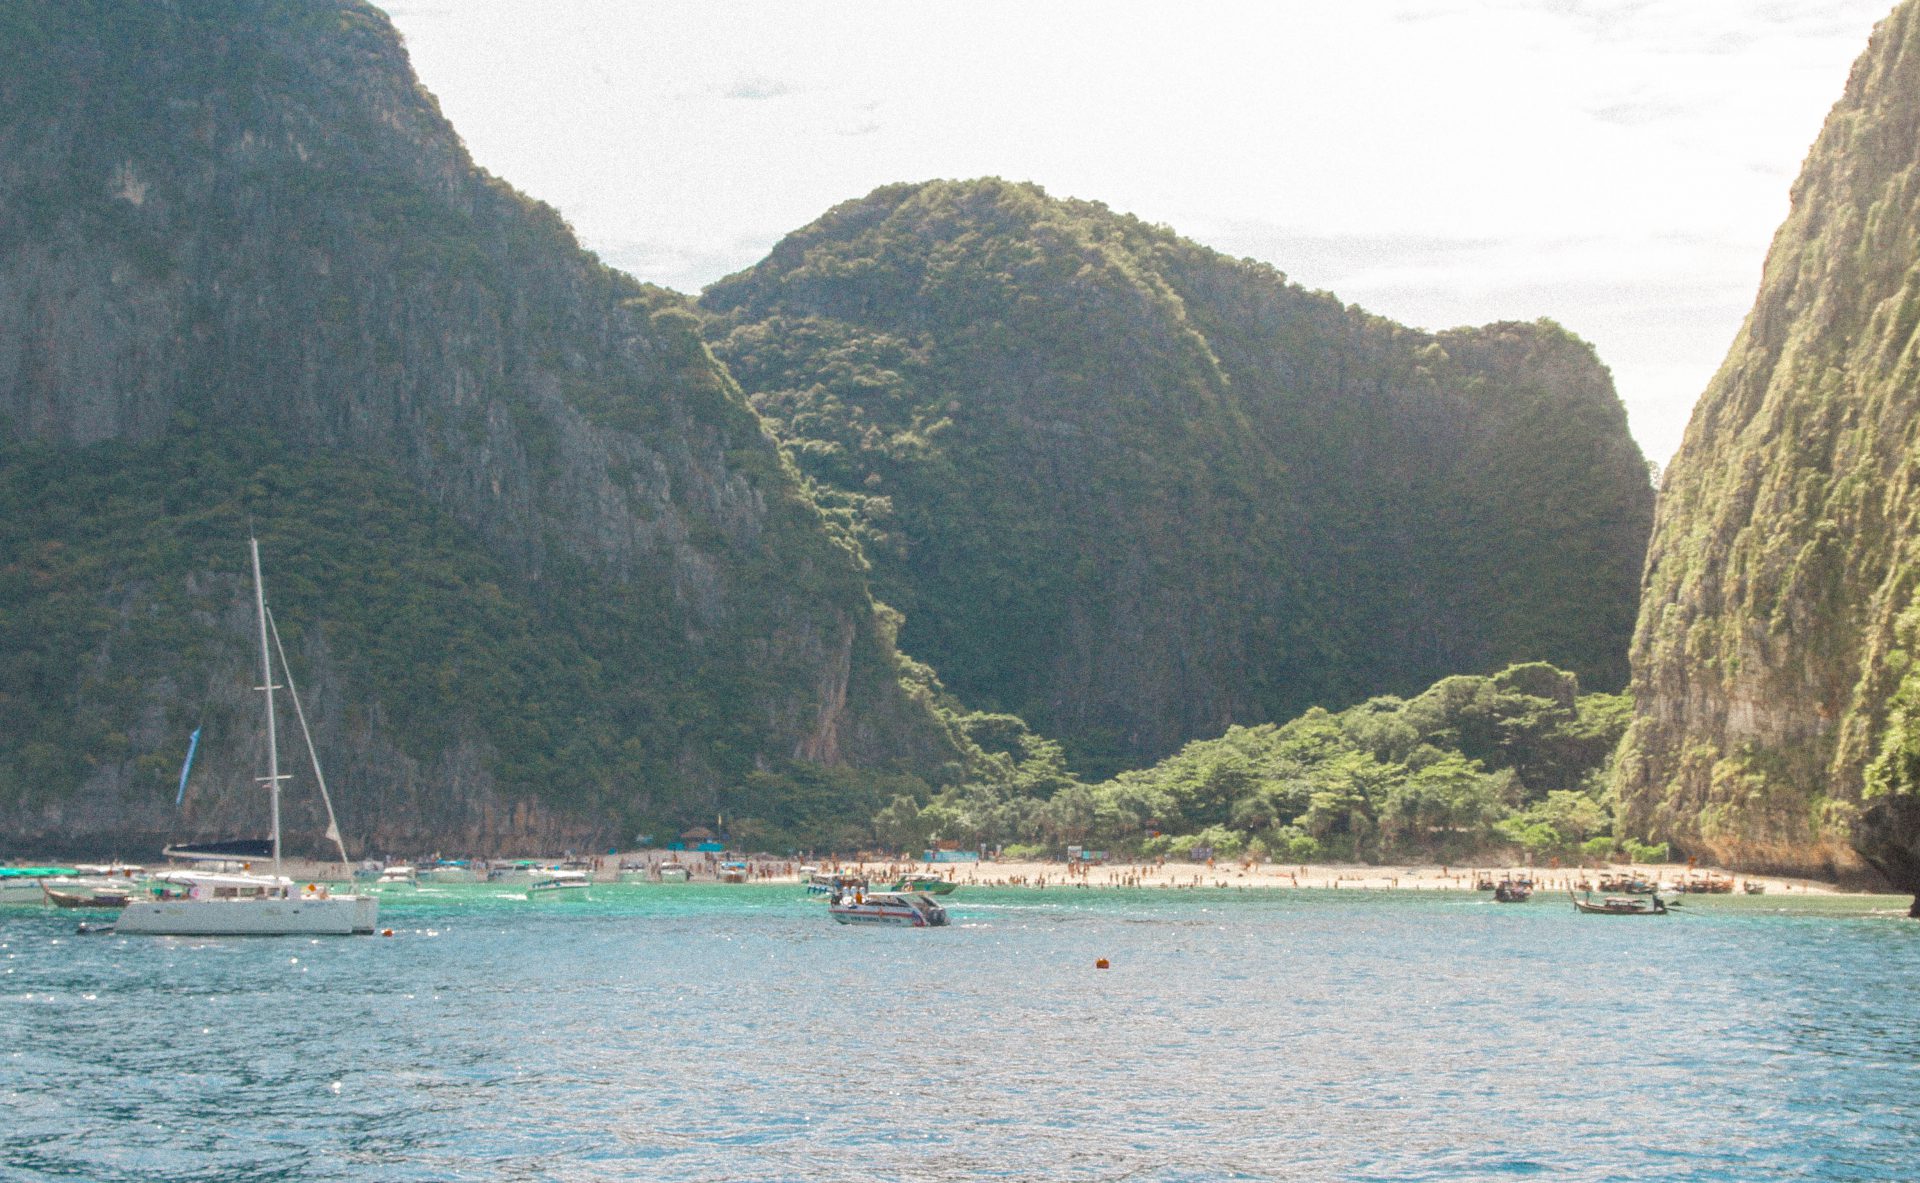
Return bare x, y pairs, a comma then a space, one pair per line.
1617, 165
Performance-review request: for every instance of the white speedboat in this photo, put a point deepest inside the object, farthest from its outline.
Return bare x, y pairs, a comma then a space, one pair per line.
204, 903
675, 873
450, 871
398, 877
906, 909
558, 884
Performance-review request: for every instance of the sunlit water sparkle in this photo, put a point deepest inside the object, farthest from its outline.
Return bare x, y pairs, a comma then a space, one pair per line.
734, 1033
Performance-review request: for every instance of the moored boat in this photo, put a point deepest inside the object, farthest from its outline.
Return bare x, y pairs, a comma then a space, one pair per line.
211, 903
675, 873
519, 871
821, 883
898, 908
1621, 905
220, 903
1512, 891
399, 877
1705, 883
22, 885
81, 894
927, 884
1627, 883
449, 871
558, 883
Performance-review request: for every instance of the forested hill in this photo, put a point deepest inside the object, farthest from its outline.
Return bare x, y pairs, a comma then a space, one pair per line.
546, 578
1777, 704
1136, 491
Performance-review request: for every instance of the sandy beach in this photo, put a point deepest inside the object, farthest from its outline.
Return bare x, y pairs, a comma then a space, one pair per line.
1345, 876
1054, 875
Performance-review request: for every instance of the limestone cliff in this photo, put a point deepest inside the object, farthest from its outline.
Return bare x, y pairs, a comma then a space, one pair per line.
1772, 656
1136, 491
237, 227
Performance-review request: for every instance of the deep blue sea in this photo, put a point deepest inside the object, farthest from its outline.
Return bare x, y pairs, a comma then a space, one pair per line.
735, 1033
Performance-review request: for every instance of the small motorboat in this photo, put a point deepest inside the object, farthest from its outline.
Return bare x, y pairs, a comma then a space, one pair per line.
926, 884
734, 872
1512, 891
905, 909
398, 877
834, 885
558, 884
675, 873
1755, 887
1621, 905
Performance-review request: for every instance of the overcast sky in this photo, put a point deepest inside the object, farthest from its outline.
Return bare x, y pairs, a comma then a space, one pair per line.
1618, 166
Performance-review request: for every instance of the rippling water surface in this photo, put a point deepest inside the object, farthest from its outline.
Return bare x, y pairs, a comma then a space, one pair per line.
734, 1033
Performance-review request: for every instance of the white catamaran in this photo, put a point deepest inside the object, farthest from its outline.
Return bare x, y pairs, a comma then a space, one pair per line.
201, 903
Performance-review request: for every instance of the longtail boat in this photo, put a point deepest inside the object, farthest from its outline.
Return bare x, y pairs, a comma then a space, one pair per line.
1621, 905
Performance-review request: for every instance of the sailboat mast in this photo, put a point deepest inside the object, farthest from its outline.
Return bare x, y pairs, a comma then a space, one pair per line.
266, 684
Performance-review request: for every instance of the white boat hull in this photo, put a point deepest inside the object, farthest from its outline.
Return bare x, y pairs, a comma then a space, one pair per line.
332, 916
542, 889
889, 909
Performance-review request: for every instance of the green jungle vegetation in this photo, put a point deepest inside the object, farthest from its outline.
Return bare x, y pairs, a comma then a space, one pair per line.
119, 561
1515, 763
1134, 491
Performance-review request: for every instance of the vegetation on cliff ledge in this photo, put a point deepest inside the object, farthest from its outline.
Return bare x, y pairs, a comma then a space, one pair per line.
1473, 766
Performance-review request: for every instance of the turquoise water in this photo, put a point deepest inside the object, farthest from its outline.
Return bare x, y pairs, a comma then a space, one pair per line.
734, 1033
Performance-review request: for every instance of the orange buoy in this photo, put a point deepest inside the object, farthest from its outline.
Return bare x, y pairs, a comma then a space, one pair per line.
386, 932
1100, 964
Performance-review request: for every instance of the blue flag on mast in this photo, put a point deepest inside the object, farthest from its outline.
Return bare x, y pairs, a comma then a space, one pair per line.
193, 743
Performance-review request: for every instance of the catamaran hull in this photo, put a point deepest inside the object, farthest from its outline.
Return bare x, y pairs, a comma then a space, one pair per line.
338, 916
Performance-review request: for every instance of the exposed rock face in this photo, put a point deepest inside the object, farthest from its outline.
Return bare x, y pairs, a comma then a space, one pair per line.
1771, 661
246, 217
1136, 491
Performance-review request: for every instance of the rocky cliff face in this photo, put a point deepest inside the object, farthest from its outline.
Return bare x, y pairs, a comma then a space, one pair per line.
1136, 491
1772, 657
245, 218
